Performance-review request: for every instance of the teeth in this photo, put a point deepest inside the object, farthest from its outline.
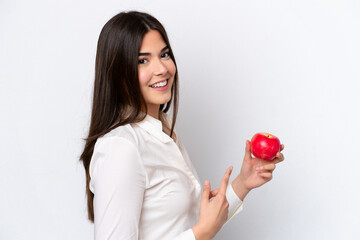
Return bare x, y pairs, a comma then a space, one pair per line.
160, 84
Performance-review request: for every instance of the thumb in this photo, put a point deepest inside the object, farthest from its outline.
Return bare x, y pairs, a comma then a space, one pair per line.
248, 150
206, 192
213, 193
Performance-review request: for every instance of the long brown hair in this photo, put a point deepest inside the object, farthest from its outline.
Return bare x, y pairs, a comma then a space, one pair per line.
117, 99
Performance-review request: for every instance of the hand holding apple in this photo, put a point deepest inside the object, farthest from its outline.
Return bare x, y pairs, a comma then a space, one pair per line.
255, 171
265, 146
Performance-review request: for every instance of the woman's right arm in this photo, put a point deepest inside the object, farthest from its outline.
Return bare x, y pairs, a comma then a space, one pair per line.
118, 181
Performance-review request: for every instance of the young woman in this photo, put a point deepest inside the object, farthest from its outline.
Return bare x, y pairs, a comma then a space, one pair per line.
140, 182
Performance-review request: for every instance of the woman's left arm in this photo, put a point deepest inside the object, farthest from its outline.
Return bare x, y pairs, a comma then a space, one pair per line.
254, 172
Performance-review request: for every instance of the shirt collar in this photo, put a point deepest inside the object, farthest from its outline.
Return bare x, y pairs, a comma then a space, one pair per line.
154, 127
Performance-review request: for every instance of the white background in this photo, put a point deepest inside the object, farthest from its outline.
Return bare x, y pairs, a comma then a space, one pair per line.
290, 68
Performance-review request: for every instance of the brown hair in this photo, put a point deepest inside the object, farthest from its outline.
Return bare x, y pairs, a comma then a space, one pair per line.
117, 99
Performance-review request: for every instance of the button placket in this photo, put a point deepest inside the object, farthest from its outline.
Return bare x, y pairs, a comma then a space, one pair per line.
179, 159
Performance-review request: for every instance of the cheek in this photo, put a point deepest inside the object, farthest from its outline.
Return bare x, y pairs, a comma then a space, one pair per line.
172, 68
143, 78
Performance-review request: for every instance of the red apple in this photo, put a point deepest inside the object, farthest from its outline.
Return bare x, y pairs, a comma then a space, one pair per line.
265, 146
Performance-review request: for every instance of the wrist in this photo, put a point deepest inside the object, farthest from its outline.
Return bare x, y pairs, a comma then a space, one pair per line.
239, 188
199, 233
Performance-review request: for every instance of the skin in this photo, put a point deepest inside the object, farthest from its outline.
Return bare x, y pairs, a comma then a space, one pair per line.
156, 66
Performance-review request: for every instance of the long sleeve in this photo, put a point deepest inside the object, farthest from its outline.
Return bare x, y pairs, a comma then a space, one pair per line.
235, 203
118, 180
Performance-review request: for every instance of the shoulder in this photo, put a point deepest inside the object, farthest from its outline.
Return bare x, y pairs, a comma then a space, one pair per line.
121, 141
117, 151
125, 133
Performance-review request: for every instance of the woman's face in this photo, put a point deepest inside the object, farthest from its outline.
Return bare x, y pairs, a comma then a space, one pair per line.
156, 70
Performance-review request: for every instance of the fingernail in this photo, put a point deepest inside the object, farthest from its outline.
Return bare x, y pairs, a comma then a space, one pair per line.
206, 183
257, 168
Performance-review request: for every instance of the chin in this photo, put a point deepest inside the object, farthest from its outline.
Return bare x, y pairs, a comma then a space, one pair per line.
164, 102
166, 99
158, 100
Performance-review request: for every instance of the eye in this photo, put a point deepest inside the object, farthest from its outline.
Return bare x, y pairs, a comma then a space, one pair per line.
142, 61
165, 55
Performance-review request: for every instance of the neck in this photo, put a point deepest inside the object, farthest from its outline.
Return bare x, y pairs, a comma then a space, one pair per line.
154, 111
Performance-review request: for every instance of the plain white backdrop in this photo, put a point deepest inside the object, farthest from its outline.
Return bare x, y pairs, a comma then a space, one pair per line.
291, 68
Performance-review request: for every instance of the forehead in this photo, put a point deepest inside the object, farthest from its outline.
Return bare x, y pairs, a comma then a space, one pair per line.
152, 41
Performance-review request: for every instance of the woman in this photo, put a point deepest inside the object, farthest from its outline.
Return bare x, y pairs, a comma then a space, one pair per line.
140, 182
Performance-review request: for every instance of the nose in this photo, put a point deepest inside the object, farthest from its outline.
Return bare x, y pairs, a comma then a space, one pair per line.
160, 68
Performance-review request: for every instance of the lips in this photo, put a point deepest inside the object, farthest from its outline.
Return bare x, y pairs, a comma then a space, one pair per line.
161, 83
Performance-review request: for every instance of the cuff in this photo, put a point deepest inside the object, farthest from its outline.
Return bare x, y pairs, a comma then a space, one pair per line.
187, 235
235, 203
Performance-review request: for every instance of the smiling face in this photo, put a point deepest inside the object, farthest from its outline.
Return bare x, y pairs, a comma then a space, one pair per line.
156, 71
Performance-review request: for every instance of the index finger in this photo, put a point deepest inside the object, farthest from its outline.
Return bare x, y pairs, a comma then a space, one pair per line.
225, 181
282, 146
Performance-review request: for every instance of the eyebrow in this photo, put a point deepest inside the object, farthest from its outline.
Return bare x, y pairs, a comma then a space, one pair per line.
148, 54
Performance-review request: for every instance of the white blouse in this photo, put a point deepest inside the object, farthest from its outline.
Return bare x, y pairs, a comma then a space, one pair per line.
145, 186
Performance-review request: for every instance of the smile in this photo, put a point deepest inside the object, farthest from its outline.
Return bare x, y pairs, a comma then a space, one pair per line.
160, 84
